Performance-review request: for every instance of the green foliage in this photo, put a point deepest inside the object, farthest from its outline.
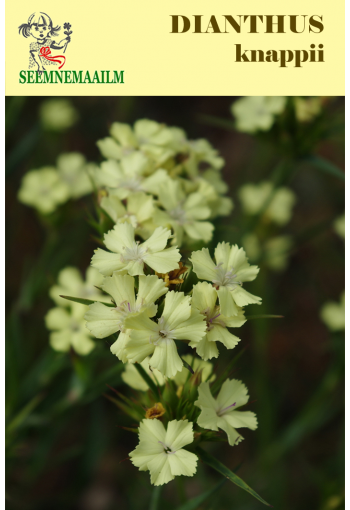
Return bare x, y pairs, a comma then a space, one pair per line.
227, 473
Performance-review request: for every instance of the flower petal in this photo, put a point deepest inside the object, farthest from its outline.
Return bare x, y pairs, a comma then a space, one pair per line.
177, 309
205, 398
205, 349
163, 261
82, 343
243, 298
179, 434
151, 288
107, 262
120, 237
139, 346
233, 436
220, 334
193, 328
183, 463
166, 358
158, 239
121, 288
228, 306
159, 468
232, 391
239, 419
203, 265
199, 230
60, 340
102, 320
204, 296
118, 348
57, 318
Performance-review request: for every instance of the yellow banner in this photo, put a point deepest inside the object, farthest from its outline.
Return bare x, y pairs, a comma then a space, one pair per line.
182, 48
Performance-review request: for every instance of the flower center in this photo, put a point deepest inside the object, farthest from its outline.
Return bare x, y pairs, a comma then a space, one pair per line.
74, 325
225, 278
136, 253
178, 214
131, 184
212, 317
223, 411
167, 449
163, 335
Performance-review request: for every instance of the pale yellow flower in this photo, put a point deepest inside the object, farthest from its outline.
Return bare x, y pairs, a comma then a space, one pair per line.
43, 189
58, 114
257, 113
333, 314
280, 201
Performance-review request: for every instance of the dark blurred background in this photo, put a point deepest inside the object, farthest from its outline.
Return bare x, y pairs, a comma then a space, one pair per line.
65, 445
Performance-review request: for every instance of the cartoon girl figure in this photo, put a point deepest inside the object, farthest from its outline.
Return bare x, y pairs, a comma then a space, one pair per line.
40, 27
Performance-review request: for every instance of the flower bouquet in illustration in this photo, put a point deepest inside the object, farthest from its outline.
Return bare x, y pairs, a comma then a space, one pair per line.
67, 30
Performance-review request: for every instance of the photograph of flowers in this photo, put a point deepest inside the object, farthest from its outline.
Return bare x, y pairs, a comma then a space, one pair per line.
175, 303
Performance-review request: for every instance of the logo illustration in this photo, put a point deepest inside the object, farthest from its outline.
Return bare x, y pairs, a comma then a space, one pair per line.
40, 27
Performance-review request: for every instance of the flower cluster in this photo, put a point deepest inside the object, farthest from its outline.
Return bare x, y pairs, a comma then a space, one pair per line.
186, 411
152, 176
274, 207
49, 187
165, 311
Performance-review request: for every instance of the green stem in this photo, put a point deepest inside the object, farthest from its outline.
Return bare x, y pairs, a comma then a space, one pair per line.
155, 498
181, 489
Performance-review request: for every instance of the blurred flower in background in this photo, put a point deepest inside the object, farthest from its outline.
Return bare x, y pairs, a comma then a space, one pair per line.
339, 226
279, 202
58, 114
306, 109
43, 189
333, 314
49, 187
257, 113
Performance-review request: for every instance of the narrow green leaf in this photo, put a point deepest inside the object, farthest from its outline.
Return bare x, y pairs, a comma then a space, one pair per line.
194, 503
24, 413
326, 166
217, 383
147, 380
186, 365
212, 120
227, 473
251, 317
85, 301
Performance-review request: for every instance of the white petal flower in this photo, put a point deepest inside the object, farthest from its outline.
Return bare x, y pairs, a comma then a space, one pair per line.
71, 283
306, 109
333, 314
280, 201
178, 322
184, 214
204, 300
161, 451
256, 113
131, 174
68, 330
228, 274
130, 256
75, 172
222, 412
58, 114
43, 189
104, 320
139, 211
